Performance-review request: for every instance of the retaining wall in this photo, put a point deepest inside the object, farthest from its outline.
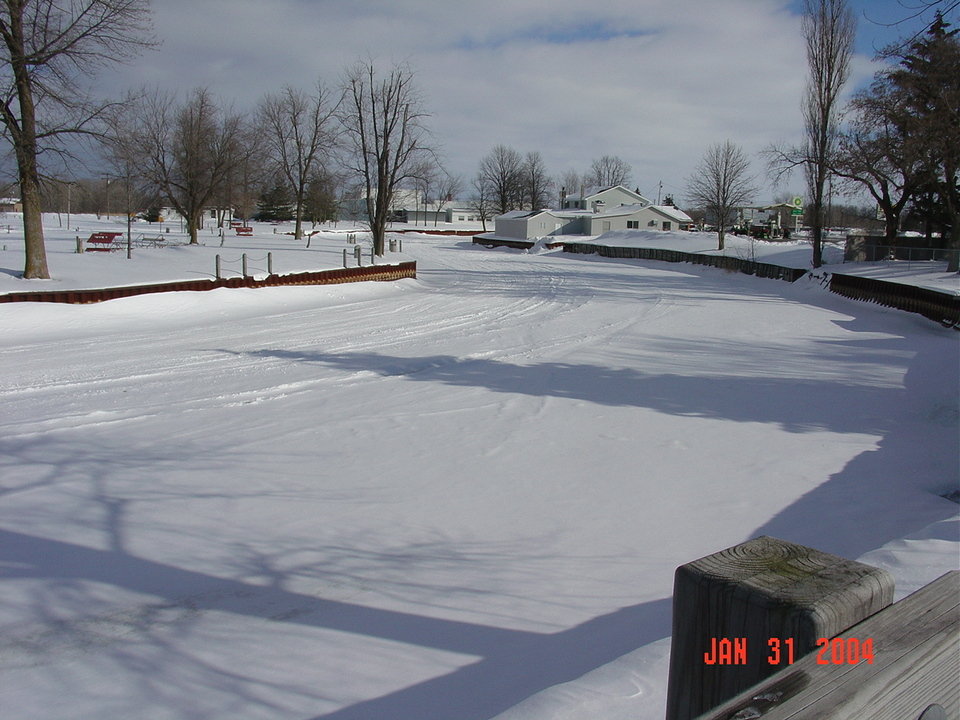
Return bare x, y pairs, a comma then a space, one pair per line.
939, 306
320, 277
747, 267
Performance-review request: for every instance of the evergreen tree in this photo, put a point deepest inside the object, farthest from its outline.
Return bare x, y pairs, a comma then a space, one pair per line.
928, 81
275, 204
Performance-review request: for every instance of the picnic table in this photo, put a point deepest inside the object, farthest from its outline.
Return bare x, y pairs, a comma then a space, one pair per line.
104, 241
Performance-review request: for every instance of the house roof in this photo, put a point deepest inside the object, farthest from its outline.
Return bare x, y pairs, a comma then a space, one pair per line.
517, 214
597, 190
672, 212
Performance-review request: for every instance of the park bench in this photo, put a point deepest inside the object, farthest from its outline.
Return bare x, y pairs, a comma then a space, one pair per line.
104, 241
243, 230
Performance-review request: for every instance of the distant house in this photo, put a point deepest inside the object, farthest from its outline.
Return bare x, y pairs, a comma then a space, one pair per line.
411, 207
636, 217
211, 215
592, 214
11, 205
529, 224
603, 198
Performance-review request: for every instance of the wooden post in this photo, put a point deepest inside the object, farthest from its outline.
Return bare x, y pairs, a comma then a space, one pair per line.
269, 263
344, 257
742, 614
218, 267
244, 259
900, 664
79, 245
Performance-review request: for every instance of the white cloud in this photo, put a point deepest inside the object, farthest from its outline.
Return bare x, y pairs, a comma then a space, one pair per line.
654, 82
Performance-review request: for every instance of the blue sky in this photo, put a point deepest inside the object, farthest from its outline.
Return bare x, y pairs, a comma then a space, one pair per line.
652, 81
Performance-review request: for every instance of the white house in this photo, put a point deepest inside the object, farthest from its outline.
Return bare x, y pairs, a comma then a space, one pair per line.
603, 198
10, 204
592, 214
411, 207
211, 215
636, 217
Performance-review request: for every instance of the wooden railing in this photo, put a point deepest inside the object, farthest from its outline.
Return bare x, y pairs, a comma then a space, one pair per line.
914, 672
774, 630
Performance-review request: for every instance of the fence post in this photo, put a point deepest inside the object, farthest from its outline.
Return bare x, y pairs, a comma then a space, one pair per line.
742, 614
79, 245
344, 257
269, 263
244, 259
218, 267
356, 254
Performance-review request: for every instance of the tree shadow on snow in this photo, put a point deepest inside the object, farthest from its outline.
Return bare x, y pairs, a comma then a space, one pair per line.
794, 404
513, 664
893, 490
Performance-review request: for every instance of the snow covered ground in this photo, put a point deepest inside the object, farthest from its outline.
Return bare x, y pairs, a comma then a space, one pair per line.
456, 497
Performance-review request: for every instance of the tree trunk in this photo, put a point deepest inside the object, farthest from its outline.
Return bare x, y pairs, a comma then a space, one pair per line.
193, 223
35, 265
298, 212
25, 147
891, 225
953, 262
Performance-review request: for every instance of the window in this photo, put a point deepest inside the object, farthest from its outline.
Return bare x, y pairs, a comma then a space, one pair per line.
633, 224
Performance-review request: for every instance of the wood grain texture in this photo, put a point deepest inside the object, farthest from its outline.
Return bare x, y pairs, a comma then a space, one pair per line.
760, 590
916, 664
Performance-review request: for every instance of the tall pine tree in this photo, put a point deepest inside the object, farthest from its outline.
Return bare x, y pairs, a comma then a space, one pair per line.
928, 81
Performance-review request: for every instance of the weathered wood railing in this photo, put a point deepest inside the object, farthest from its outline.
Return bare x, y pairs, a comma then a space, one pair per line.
774, 630
915, 673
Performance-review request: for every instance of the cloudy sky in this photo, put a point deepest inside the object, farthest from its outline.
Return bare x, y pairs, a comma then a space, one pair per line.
652, 81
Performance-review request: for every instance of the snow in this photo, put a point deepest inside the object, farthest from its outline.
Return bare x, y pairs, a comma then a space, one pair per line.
461, 496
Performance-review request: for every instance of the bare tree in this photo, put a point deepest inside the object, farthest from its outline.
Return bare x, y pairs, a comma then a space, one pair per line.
608, 171
570, 182
502, 173
829, 29
383, 118
299, 129
875, 155
481, 200
448, 187
537, 186
425, 182
48, 46
187, 151
721, 183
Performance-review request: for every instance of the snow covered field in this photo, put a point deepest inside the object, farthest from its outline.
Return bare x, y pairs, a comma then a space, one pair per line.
450, 498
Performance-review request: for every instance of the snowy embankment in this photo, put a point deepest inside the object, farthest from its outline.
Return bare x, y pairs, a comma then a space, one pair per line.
458, 496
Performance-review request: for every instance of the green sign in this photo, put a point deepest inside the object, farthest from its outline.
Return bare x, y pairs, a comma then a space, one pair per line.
797, 211
797, 202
